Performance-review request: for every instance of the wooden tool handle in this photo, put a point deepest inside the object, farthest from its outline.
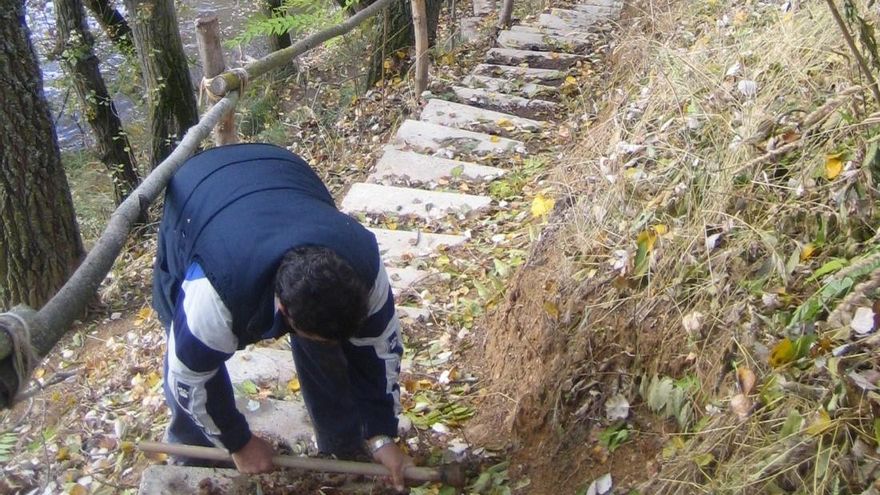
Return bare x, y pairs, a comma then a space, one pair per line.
306, 463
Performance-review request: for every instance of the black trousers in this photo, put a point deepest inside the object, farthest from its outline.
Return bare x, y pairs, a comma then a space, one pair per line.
322, 370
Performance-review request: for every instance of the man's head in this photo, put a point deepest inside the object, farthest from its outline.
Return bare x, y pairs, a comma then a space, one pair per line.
320, 294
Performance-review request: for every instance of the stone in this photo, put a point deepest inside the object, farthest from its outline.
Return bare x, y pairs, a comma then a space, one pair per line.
263, 366
423, 136
550, 77
508, 103
395, 244
543, 42
468, 117
597, 10
403, 278
532, 58
413, 313
516, 88
396, 163
286, 421
483, 7
468, 29
176, 480
391, 200
562, 23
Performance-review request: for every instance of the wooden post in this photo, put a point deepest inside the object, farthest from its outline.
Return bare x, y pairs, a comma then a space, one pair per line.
420, 26
506, 14
211, 55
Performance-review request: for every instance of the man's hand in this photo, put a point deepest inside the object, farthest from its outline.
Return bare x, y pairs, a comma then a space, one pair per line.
255, 457
396, 461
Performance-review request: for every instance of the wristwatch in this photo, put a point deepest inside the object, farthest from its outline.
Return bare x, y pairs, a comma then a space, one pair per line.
377, 442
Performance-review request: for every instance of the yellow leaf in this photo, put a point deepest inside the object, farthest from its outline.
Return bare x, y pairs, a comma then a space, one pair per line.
63, 454
447, 59
505, 124
551, 308
387, 64
660, 229
647, 238
126, 446
783, 353
542, 206
39, 373
833, 165
153, 379
77, 489
807, 251
820, 424
746, 379
293, 385
494, 139
570, 80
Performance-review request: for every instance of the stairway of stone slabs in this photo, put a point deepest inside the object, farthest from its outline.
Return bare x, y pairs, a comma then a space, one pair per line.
514, 92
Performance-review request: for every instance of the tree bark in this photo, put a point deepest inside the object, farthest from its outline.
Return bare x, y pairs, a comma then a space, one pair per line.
40, 238
395, 32
113, 23
170, 95
81, 65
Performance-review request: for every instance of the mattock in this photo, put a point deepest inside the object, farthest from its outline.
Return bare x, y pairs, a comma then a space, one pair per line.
449, 474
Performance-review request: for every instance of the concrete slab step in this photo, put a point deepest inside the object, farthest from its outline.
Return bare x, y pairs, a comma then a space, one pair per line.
284, 420
396, 244
400, 164
548, 77
515, 87
599, 10
532, 58
544, 42
579, 18
484, 7
571, 31
461, 116
603, 3
413, 313
405, 278
552, 21
423, 136
378, 199
175, 480
518, 105
263, 366
469, 29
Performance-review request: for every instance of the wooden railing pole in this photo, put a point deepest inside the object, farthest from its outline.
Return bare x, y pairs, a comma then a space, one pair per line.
506, 14
420, 25
211, 55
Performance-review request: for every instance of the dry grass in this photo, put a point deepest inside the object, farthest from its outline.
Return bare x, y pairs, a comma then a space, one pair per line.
725, 185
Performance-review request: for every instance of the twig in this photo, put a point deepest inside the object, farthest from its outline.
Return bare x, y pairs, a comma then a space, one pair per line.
56, 379
852, 46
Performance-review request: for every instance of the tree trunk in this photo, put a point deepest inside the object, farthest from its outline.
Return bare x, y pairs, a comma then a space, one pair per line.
276, 42
81, 65
395, 32
113, 23
170, 95
40, 238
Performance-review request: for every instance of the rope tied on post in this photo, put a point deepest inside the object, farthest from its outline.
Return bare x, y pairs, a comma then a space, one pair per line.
24, 357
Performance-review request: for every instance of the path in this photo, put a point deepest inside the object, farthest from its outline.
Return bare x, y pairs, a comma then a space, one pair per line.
505, 97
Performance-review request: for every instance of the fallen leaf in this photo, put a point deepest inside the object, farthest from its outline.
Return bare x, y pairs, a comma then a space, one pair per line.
494, 139
833, 165
542, 206
863, 320
77, 489
505, 124
703, 460
820, 424
692, 322
747, 380
551, 309
601, 485
293, 385
741, 405
807, 251
783, 353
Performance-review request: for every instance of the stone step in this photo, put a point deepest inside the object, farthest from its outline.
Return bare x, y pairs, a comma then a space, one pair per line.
484, 7
379, 199
413, 313
571, 32
563, 23
173, 480
516, 88
549, 77
261, 365
403, 278
519, 40
460, 116
534, 59
577, 17
417, 167
618, 4
598, 10
283, 420
507, 103
468, 29
396, 244
424, 136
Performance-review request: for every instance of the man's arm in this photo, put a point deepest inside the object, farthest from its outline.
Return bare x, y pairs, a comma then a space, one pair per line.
200, 342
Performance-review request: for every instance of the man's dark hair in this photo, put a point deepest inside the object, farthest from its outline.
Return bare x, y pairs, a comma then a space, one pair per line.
321, 293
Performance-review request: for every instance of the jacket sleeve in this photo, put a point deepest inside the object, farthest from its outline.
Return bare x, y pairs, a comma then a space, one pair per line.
199, 343
374, 362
